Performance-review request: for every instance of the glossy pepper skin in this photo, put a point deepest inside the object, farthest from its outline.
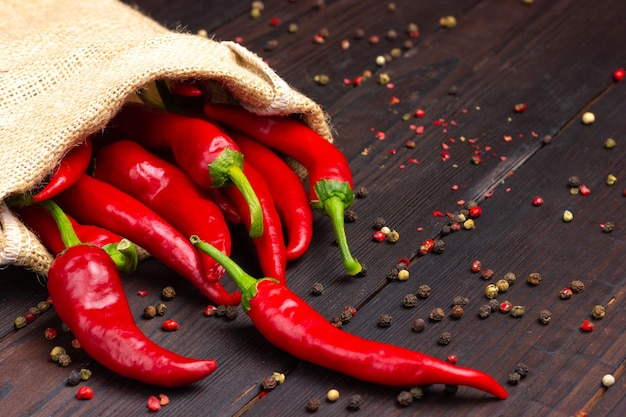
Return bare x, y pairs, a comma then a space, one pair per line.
291, 324
330, 178
168, 191
288, 193
91, 201
202, 149
270, 246
70, 169
88, 296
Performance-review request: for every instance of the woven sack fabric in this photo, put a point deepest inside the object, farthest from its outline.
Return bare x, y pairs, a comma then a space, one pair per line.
67, 67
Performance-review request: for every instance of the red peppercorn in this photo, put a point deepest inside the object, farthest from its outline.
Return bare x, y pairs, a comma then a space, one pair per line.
153, 403
379, 236
50, 333
142, 293
351, 309
210, 310
84, 393
618, 74
537, 201
30, 317
169, 325
419, 113
428, 245
584, 190
476, 265
475, 211
587, 326
505, 307
519, 107
452, 359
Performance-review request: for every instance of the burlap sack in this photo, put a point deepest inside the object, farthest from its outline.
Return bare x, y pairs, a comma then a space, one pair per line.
67, 66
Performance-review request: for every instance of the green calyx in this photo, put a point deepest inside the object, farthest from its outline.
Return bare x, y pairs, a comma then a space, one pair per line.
227, 169
246, 283
333, 198
124, 254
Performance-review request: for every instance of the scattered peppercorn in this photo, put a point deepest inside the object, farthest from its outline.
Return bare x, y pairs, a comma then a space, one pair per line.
50, 333
491, 291
457, 312
85, 374
313, 404
598, 312
74, 378
321, 79
537, 201
317, 288
417, 393
460, 301
423, 291
65, 360
611, 179
608, 227
56, 352
168, 293
269, 383
345, 316
393, 274
439, 246
476, 266
231, 312
419, 325
169, 325
403, 275
505, 306
379, 223
484, 311
43, 306
384, 320
487, 274
220, 311
332, 395
84, 393
336, 322
522, 369
161, 308
494, 304
545, 316
588, 118
534, 278
393, 236
609, 143
574, 181
355, 402
444, 338
20, 321
437, 314
447, 22
452, 358
587, 326
565, 294
409, 300
568, 216
608, 380
518, 311
502, 285
405, 398
514, 378
149, 312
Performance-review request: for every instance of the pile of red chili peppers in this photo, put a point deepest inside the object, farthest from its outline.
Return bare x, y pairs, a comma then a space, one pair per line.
124, 186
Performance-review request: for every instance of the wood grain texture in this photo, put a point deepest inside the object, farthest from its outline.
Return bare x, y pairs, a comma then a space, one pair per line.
556, 56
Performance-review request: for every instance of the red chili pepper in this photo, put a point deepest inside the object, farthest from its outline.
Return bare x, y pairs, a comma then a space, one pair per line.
330, 178
288, 193
289, 323
42, 222
156, 183
270, 246
200, 148
89, 297
92, 201
71, 167
226, 205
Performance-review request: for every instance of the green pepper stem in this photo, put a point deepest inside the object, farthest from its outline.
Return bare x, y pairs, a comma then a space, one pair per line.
68, 234
244, 281
124, 254
228, 167
334, 207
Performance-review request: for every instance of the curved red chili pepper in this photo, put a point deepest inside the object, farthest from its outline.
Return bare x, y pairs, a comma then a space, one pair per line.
43, 224
200, 148
291, 324
330, 178
168, 191
290, 197
226, 205
71, 167
91, 201
88, 296
270, 246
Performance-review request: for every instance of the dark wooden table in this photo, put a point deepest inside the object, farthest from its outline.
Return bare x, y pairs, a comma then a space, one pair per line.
556, 56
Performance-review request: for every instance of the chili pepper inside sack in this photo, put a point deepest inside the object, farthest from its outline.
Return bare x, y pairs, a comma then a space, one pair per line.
68, 66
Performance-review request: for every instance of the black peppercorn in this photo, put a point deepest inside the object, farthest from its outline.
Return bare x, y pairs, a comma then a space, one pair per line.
355, 402
522, 369
379, 223
573, 181
361, 192
444, 338
317, 289
74, 378
350, 216
384, 320
437, 314
393, 274
405, 398
313, 404
168, 293
345, 316
514, 378
231, 312
336, 321
545, 316
419, 325
608, 227
577, 286
410, 300
417, 393
510, 278
460, 301
269, 383
484, 311
494, 304
534, 278
445, 230
423, 291
439, 246
221, 311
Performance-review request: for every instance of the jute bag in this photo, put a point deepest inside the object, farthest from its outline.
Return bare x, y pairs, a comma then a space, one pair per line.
66, 68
